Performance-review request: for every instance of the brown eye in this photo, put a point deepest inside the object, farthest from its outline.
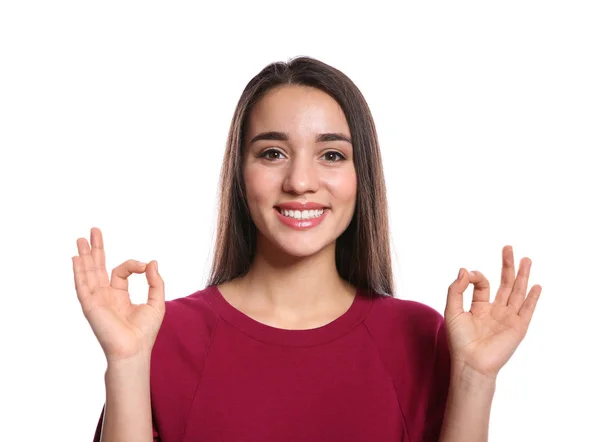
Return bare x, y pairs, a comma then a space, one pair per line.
332, 156
271, 154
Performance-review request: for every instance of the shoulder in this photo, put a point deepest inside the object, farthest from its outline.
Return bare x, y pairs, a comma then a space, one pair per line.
404, 318
409, 335
187, 310
188, 325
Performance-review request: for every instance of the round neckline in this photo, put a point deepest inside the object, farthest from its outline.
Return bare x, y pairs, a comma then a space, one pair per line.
348, 320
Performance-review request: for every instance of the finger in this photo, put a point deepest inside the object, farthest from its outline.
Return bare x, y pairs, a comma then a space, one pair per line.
526, 311
156, 291
519, 290
99, 256
83, 247
119, 275
507, 278
481, 286
81, 285
454, 301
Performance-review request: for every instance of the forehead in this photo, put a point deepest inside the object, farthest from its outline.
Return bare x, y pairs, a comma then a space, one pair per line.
297, 109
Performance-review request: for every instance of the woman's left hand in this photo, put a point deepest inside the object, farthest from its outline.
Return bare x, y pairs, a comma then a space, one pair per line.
484, 338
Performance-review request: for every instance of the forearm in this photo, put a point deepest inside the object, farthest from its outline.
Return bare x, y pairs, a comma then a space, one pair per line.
127, 413
468, 407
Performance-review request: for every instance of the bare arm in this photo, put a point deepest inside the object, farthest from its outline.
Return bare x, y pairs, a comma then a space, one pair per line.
127, 413
468, 407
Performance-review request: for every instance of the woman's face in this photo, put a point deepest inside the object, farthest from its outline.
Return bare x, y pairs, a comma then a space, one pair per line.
298, 169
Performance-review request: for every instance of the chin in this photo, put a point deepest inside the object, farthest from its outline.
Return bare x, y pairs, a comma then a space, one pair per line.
301, 250
300, 246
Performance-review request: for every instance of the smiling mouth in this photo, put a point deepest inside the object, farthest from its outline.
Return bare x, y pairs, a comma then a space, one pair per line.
301, 215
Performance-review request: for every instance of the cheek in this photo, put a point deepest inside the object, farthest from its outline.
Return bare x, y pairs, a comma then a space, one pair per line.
261, 185
342, 185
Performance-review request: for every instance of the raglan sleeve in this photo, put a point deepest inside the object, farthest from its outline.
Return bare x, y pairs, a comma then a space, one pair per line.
97, 434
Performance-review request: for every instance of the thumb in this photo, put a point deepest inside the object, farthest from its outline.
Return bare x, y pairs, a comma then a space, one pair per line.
454, 302
156, 291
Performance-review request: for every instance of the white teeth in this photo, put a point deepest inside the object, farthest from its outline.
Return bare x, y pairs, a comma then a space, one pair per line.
302, 214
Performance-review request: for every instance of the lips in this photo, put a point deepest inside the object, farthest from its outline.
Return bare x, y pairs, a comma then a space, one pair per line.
310, 217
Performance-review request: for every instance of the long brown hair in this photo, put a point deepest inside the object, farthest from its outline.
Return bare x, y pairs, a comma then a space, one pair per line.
362, 252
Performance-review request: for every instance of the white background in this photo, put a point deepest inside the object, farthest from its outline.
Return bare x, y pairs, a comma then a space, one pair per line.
115, 114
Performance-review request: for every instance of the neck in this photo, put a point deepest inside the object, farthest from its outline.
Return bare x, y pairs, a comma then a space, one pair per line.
295, 286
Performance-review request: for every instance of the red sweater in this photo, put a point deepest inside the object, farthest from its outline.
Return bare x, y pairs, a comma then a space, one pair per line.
378, 373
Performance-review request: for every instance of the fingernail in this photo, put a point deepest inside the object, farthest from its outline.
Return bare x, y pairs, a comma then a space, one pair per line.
460, 273
156, 266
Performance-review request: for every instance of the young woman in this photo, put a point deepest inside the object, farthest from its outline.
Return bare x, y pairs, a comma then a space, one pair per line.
297, 336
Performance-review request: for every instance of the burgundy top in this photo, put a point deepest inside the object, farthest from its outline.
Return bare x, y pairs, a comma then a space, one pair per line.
378, 373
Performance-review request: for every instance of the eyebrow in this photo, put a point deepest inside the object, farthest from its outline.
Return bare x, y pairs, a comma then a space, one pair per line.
282, 136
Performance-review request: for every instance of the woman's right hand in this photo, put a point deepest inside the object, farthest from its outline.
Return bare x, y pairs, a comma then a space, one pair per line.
124, 330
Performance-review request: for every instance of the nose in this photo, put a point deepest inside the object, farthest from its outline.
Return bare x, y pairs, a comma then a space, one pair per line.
301, 176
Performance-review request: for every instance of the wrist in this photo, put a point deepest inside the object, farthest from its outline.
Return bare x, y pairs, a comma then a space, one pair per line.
464, 377
128, 367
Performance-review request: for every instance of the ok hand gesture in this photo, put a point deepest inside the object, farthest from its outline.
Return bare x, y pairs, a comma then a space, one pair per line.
123, 329
484, 338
